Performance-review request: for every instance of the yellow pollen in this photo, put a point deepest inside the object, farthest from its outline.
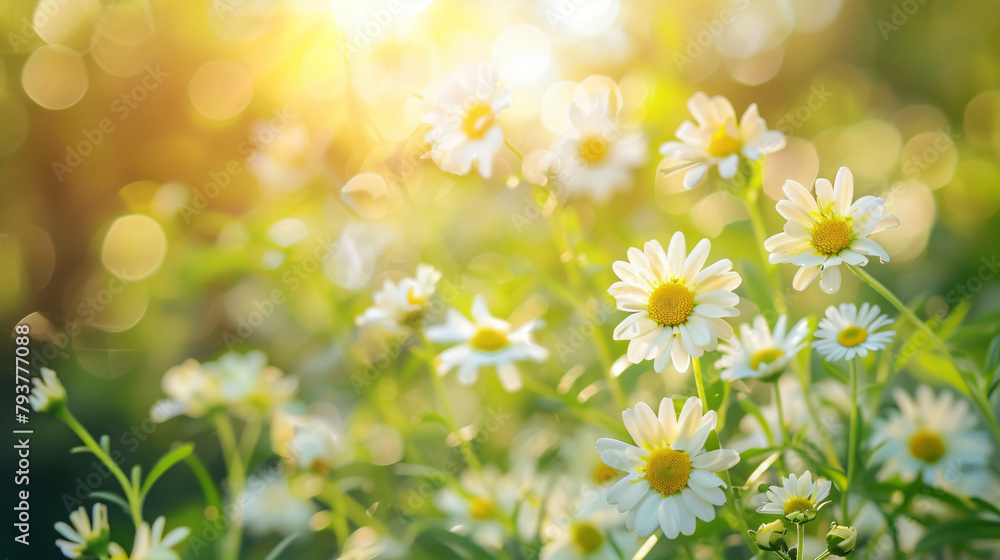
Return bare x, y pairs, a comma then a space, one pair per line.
722, 143
831, 236
587, 538
478, 119
927, 446
667, 471
798, 504
489, 340
481, 508
767, 356
670, 304
414, 299
603, 473
593, 149
852, 336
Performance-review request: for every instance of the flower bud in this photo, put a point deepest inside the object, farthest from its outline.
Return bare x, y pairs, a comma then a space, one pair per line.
841, 540
771, 536
48, 395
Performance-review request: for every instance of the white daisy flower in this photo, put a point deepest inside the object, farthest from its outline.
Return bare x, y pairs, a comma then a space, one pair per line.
311, 441
932, 436
151, 543
49, 395
86, 538
485, 341
570, 532
760, 352
598, 154
717, 139
827, 230
463, 123
677, 306
799, 499
847, 331
270, 506
482, 501
669, 478
243, 383
404, 304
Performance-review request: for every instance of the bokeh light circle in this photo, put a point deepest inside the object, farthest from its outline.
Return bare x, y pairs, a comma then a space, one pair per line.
521, 53
54, 77
220, 89
134, 247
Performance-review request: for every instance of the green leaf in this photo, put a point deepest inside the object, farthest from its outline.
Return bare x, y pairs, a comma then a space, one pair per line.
282, 546
208, 488
458, 546
959, 530
170, 459
102, 496
992, 364
954, 319
836, 373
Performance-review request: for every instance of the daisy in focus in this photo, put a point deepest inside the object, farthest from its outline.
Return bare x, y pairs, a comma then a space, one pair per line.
403, 304
86, 539
464, 131
799, 499
759, 352
827, 230
847, 331
931, 436
677, 304
718, 140
598, 154
485, 341
151, 544
670, 481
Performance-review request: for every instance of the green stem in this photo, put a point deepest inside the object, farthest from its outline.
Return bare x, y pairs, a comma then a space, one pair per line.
782, 429
823, 555
852, 442
800, 541
750, 197
449, 414
131, 492
249, 437
236, 473
974, 393
700, 384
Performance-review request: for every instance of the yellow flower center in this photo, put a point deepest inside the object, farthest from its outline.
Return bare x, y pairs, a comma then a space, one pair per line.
481, 508
478, 119
832, 235
723, 144
586, 537
852, 336
414, 299
765, 357
489, 339
603, 473
670, 304
667, 471
798, 504
593, 149
927, 446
